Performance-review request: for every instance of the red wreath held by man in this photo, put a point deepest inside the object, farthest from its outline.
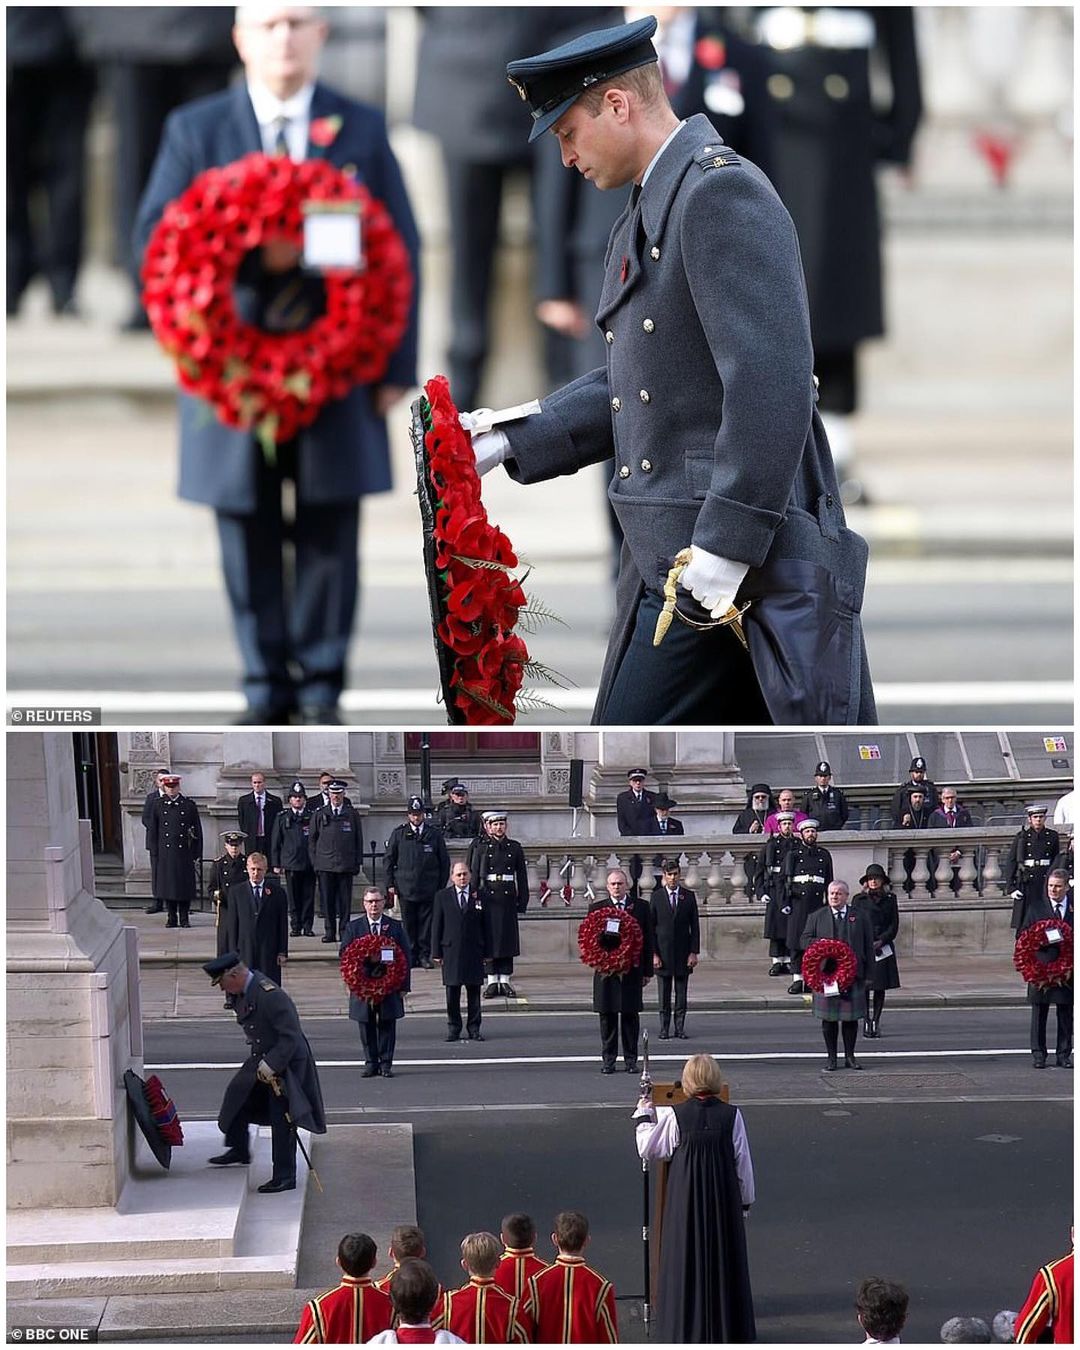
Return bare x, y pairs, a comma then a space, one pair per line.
368, 976
828, 961
1041, 963
610, 952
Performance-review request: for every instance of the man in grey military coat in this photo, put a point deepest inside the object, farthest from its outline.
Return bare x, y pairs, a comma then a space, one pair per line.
706, 403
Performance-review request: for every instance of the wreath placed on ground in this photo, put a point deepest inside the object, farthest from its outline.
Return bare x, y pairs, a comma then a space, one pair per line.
163, 1109
1041, 963
610, 953
477, 604
155, 1114
271, 383
829, 960
366, 974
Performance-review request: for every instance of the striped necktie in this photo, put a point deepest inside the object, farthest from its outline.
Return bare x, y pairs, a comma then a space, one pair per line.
281, 145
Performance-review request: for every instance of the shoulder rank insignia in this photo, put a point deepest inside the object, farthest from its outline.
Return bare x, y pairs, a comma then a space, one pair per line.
267, 983
717, 156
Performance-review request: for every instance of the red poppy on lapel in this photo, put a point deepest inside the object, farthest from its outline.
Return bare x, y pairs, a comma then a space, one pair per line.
625, 272
323, 130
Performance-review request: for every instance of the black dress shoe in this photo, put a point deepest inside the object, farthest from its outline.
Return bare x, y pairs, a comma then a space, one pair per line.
607, 1068
1064, 1061
270, 715
319, 715
796, 986
1038, 1061
452, 1036
154, 909
328, 938
273, 1187
172, 924
777, 968
632, 1066
475, 1036
428, 964
665, 1035
231, 1156
509, 990
491, 991
308, 932
294, 932
850, 1062
387, 1072
370, 1072
185, 923
682, 1036
831, 1067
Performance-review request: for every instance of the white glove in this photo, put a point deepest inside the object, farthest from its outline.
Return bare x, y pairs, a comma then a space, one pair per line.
766, 899
265, 1072
491, 449
786, 909
1017, 895
490, 445
712, 581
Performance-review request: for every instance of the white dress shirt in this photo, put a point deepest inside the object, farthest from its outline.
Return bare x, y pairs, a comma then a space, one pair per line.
659, 1139
296, 110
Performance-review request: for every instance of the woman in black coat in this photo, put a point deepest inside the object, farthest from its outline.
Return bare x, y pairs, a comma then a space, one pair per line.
880, 903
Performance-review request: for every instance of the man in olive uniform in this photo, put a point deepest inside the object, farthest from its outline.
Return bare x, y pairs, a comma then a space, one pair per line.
1028, 862
497, 865
457, 818
618, 998
635, 809
290, 857
175, 834
336, 843
417, 865
709, 356
278, 1084
808, 870
228, 871
827, 804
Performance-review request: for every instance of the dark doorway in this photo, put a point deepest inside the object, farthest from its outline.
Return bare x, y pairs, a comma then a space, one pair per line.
97, 787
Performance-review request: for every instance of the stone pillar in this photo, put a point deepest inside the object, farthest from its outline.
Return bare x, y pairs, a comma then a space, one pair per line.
73, 1021
707, 773
143, 753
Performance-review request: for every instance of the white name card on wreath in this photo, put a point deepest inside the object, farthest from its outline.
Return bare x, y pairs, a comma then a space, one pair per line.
612, 925
1054, 935
332, 236
386, 956
831, 988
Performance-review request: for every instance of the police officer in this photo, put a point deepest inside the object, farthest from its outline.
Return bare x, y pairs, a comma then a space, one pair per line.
290, 857
773, 862
917, 782
744, 494
175, 833
457, 818
808, 870
635, 809
1028, 862
827, 804
228, 870
417, 865
497, 865
278, 1085
336, 844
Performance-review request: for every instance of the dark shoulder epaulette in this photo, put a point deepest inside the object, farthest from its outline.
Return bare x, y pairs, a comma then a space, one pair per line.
715, 156
267, 983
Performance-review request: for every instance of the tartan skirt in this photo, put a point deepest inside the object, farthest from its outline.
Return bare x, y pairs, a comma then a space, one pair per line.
847, 1007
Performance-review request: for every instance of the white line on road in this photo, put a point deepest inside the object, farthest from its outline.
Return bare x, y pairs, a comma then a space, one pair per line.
951, 693
726, 1055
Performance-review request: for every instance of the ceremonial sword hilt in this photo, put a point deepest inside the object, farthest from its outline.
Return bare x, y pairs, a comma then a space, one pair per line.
732, 618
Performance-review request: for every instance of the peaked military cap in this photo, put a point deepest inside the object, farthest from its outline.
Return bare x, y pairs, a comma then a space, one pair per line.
459, 787
298, 790
823, 769
808, 824
335, 785
233, 836
637, 773
1035, 809
221, 965
416, 806
490, 817
168, 778
554, 80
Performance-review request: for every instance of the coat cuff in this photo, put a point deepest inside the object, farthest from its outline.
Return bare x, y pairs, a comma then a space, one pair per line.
735, 531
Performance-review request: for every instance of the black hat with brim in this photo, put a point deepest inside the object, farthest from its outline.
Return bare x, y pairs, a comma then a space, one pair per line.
551, 82
221, 965
144, 1117
875, 871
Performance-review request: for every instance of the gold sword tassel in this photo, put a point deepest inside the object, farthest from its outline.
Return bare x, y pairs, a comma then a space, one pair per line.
732, 619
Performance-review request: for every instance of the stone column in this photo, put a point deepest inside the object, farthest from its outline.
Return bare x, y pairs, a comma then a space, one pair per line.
706, 773
143, 753
73, 1020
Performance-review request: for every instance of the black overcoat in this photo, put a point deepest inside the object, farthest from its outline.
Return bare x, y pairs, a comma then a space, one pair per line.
268, 1018
676, 934
773, 857
416, 865
704, 1292
804, 898
1029, 846
336, 843
259, 939
175, 836
858, 933
458, 822
502, 901
227, 873
633, 816
392, 1007
289, 844
458, 939
247, 814
884, 915
1058, 994
622, 993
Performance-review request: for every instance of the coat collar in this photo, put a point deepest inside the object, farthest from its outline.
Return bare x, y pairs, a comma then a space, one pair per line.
323, 104
659, 192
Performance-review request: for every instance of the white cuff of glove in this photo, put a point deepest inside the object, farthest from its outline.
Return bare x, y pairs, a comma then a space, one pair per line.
1017, 895
712, 581
489, 443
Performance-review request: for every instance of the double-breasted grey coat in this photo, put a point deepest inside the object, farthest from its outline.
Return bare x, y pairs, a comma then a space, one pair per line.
707, 404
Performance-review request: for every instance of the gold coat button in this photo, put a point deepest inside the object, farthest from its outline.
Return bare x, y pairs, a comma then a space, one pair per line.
781, 86
624, 472
646, 465
817, 382
654, 253
837, 87
609, 337
648, 325
644, 395
616, 404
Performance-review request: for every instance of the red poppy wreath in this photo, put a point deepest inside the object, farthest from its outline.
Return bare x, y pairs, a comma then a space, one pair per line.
272, 383
366, 974
827, 959
1041, 963
477, 604
614, 953
163, 1109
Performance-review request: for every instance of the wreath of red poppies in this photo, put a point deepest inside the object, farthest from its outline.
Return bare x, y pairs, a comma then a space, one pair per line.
271, 383
828, 959
610, 953
163, 1109
1041, 963
366, 974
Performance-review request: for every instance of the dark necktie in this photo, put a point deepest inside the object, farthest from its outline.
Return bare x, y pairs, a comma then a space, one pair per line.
281, 145
950, 816
674, 897
257, 892
374, 930
261, 826
462, 899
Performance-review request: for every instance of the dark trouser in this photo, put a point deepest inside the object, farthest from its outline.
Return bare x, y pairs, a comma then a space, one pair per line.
282, 1135
472, 1008
300, 615
1040, 1013
611, 1033
474, 200
379, 1036
686, 678
47, 109
1033, 885
335, 890
831, 1030
502, 965
663, 989
778, 950
416, 916
178, 909
300, 888
837, 379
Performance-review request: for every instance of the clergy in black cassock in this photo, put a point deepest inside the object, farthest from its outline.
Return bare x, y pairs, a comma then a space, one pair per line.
704, 1293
